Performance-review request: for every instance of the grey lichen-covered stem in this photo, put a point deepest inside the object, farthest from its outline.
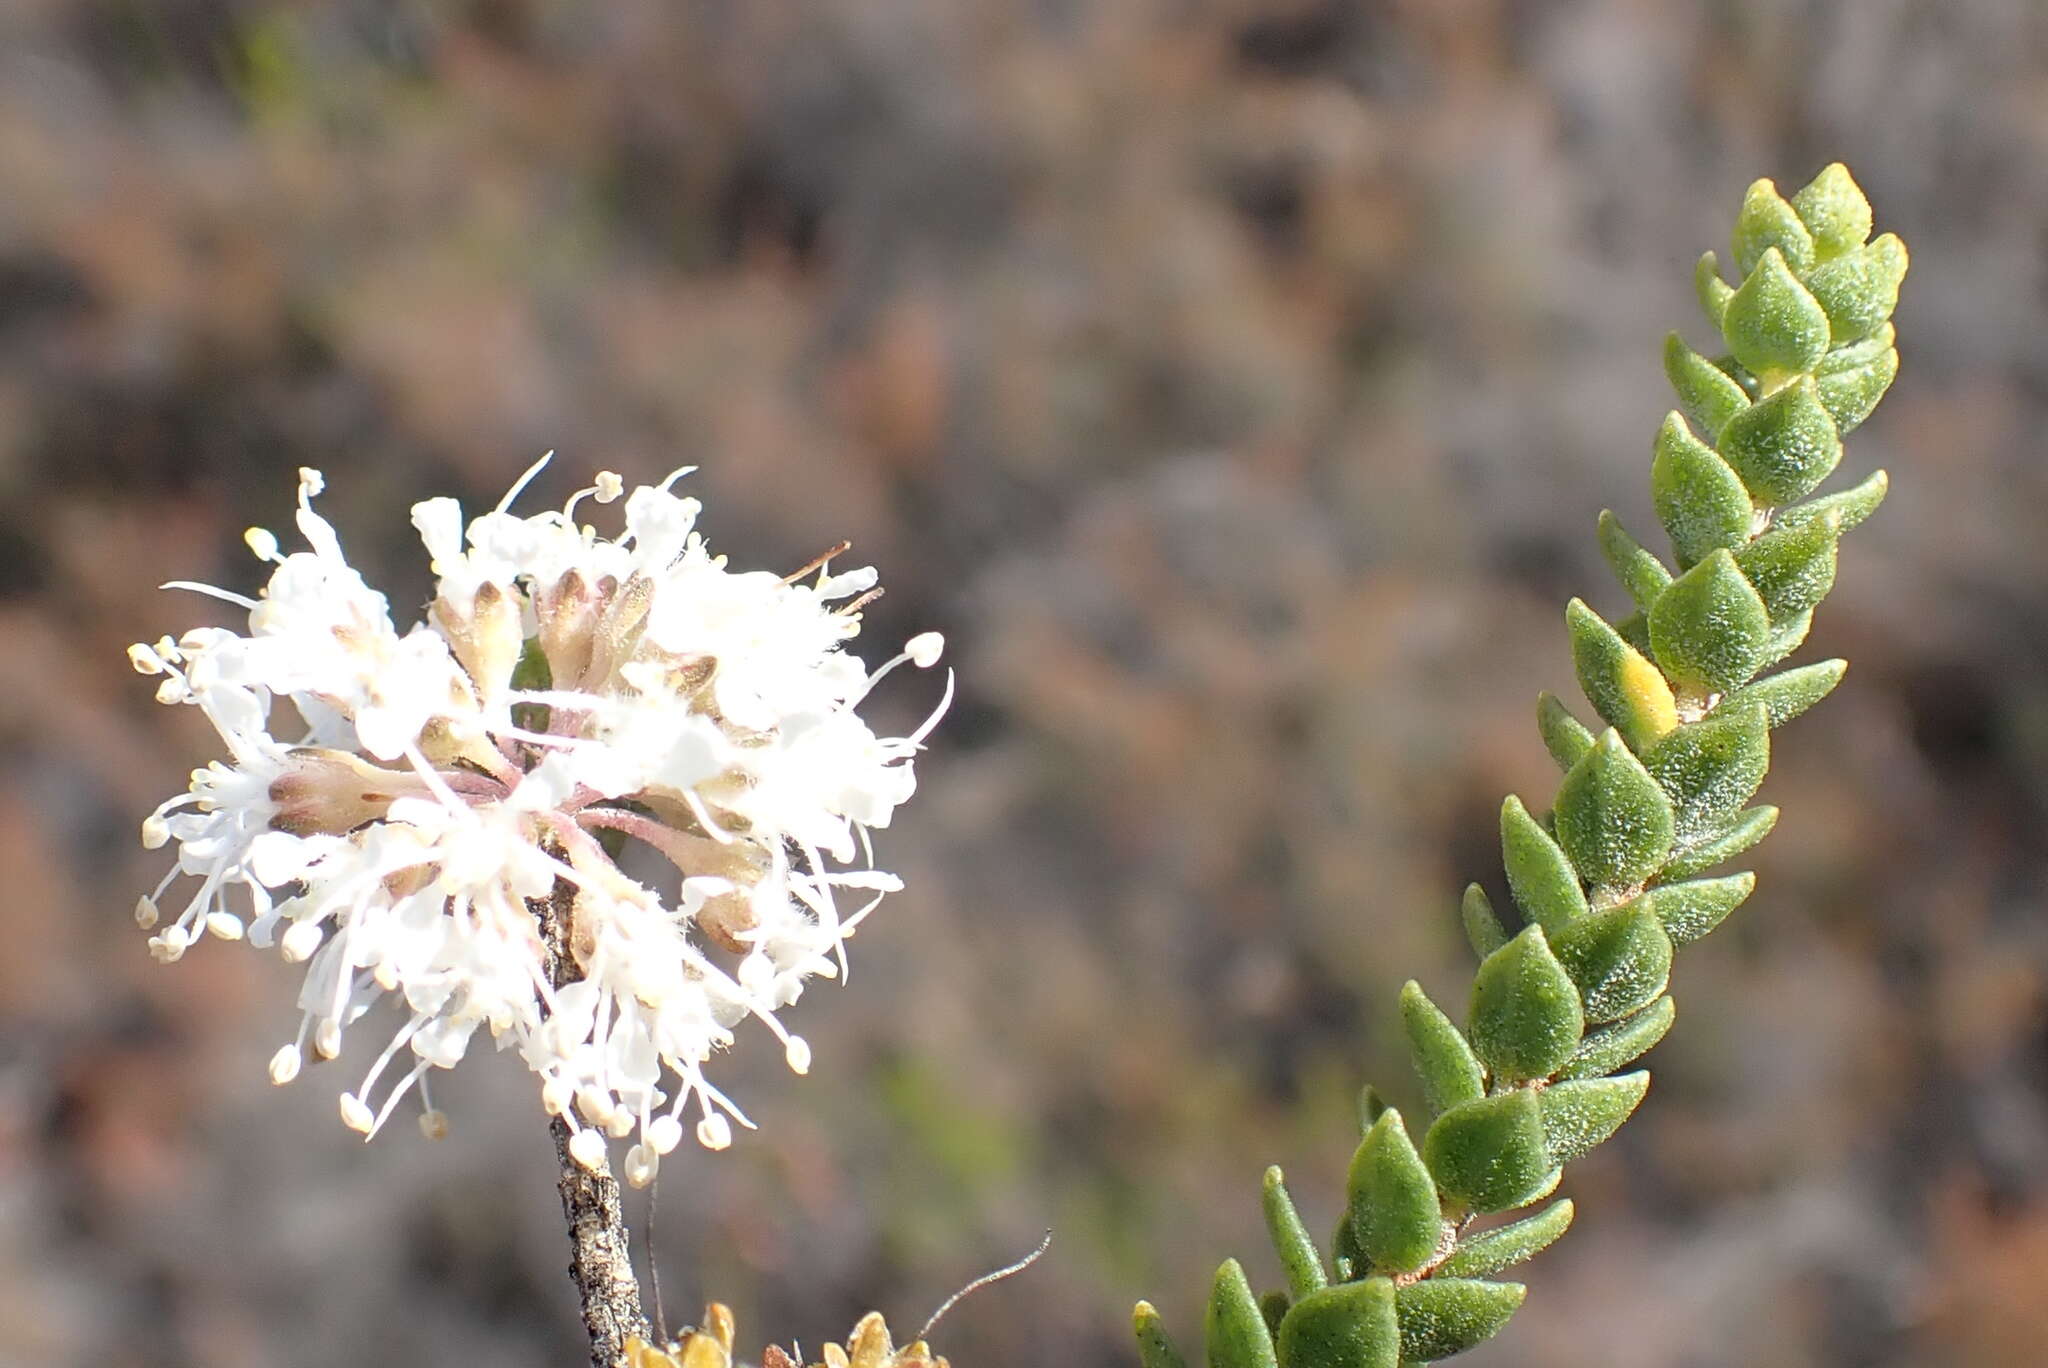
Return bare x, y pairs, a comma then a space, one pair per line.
600, 1258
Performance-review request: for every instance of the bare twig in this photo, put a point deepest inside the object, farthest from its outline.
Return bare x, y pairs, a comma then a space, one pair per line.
600, 1255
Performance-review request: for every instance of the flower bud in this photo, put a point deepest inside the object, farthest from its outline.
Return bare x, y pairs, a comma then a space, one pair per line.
486, 636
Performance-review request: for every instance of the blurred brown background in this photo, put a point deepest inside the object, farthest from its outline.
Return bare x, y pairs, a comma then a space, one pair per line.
1235, 385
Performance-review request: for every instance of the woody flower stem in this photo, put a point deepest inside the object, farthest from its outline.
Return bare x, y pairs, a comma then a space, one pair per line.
600, 1256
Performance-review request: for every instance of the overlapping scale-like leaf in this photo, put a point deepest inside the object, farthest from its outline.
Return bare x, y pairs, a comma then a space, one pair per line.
1572, 985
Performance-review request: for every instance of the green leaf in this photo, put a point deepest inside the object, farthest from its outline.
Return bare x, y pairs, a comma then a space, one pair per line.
1706, 393
1710, 629
1526, 1019
1490, 1251
1621, 684
1785, 638
1852, 506
1635, 630
1765, 221
1370, 1107
1688, 911
1620, 959
1709, 769
1613, 821
1713, 291
1273, 1308
1235, 1330
1733, 369
1792, 568
1541, 878
1155, 1348
1784, 444
1861, 352
1482, 928
1395, 1214
1834, 211
1578, 1115
1291, 1240
1607, 1049
1349, 1325
1490, 1155
1849, 395
1641, 573
1449, 1070
1347, 1259
1698, 496
1724, 844
1564, 736
1440, 1317
1773, 325
1545, 1188
1785, 695
1859, 289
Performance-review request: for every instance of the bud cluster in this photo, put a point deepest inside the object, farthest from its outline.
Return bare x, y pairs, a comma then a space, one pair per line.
711, 1346
450, 788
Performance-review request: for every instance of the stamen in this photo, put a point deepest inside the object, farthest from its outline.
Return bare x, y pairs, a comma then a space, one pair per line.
921, 650
817, 562
410, 1029
854, 606
391, 1102
355, 1115
586, 1147
664, 1133
211, 592
519, 484
703, 815
608, 488
917, 737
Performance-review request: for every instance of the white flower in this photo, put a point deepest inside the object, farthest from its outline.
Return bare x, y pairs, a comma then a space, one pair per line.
566, 691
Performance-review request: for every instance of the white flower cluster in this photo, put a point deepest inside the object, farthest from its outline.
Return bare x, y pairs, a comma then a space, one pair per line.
457, 785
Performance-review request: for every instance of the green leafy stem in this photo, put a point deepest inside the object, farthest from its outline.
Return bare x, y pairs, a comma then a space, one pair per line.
1609, 884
